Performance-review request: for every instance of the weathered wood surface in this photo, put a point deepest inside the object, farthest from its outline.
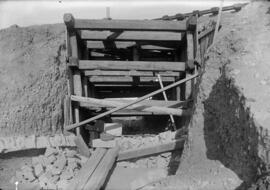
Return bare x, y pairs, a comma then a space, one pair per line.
127, 79
100, 174
82, 147
131, 65
213, 10
130, 36
118, 25
131, 103
129, 73
124, 45
151, 150
87, 170
106, 103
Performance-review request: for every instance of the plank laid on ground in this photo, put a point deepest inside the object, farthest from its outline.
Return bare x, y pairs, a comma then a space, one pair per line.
132, 65
147, 151
131, 103
128, 73
127, 79
131, 36
87, 170
154, 109
135, 25
100, 174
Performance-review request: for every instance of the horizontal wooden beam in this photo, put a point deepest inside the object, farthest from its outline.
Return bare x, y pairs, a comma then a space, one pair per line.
151, 150
154, 109
129, 73
124, 45
119, 25
75, 125
127, 79
131, 36
131, 65
159, 103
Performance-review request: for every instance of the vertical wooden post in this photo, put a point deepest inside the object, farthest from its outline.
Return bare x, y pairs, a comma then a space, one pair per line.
74, 52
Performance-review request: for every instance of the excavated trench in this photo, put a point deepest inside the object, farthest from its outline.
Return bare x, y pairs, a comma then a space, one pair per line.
227, 148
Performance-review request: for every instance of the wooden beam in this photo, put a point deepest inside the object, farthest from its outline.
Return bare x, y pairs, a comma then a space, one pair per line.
88, 168
134, 25
127, 79
131, 103
129, 73
124, 45
110, 103
99, 176
151, 150
135, 36
132, 65
82, 147
159, 103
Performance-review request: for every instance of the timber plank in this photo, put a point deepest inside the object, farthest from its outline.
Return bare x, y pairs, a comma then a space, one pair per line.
148, 151
124, 45
131, 36
87, 170
126, 79
100, 174
129, 73
154, 109
134, 25
131, 65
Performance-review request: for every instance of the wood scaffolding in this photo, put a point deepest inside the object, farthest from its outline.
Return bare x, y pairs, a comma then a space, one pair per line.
109, 62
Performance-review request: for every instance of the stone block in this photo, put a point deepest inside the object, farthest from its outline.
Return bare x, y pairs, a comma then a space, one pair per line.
66, 175
38, 169
113, 128
70, 153
51, 159
98, 143
55, 171
29, 176
61, 162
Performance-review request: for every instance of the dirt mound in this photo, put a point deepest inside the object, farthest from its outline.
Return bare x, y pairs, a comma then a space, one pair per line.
228, 146
32, 79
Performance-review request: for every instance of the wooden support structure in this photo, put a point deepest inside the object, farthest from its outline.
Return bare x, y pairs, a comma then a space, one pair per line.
122, 58
109, 103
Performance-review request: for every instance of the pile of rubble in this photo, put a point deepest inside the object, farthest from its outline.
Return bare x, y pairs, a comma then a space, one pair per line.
53, 170
138, 141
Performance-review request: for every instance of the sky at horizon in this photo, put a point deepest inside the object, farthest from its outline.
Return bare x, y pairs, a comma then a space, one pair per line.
27, 12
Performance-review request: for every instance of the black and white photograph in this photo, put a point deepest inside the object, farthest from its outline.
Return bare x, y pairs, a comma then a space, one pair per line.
134, 94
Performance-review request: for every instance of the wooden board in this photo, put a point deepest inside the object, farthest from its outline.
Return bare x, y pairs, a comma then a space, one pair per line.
82, 147
129, 73
154, 109
130, 36
132, 65
100, 174
127, 79
134, 25
148, 151
78, 182
124, 45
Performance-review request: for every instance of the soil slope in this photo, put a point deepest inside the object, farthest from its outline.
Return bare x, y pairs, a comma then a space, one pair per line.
32, 79
228, 146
